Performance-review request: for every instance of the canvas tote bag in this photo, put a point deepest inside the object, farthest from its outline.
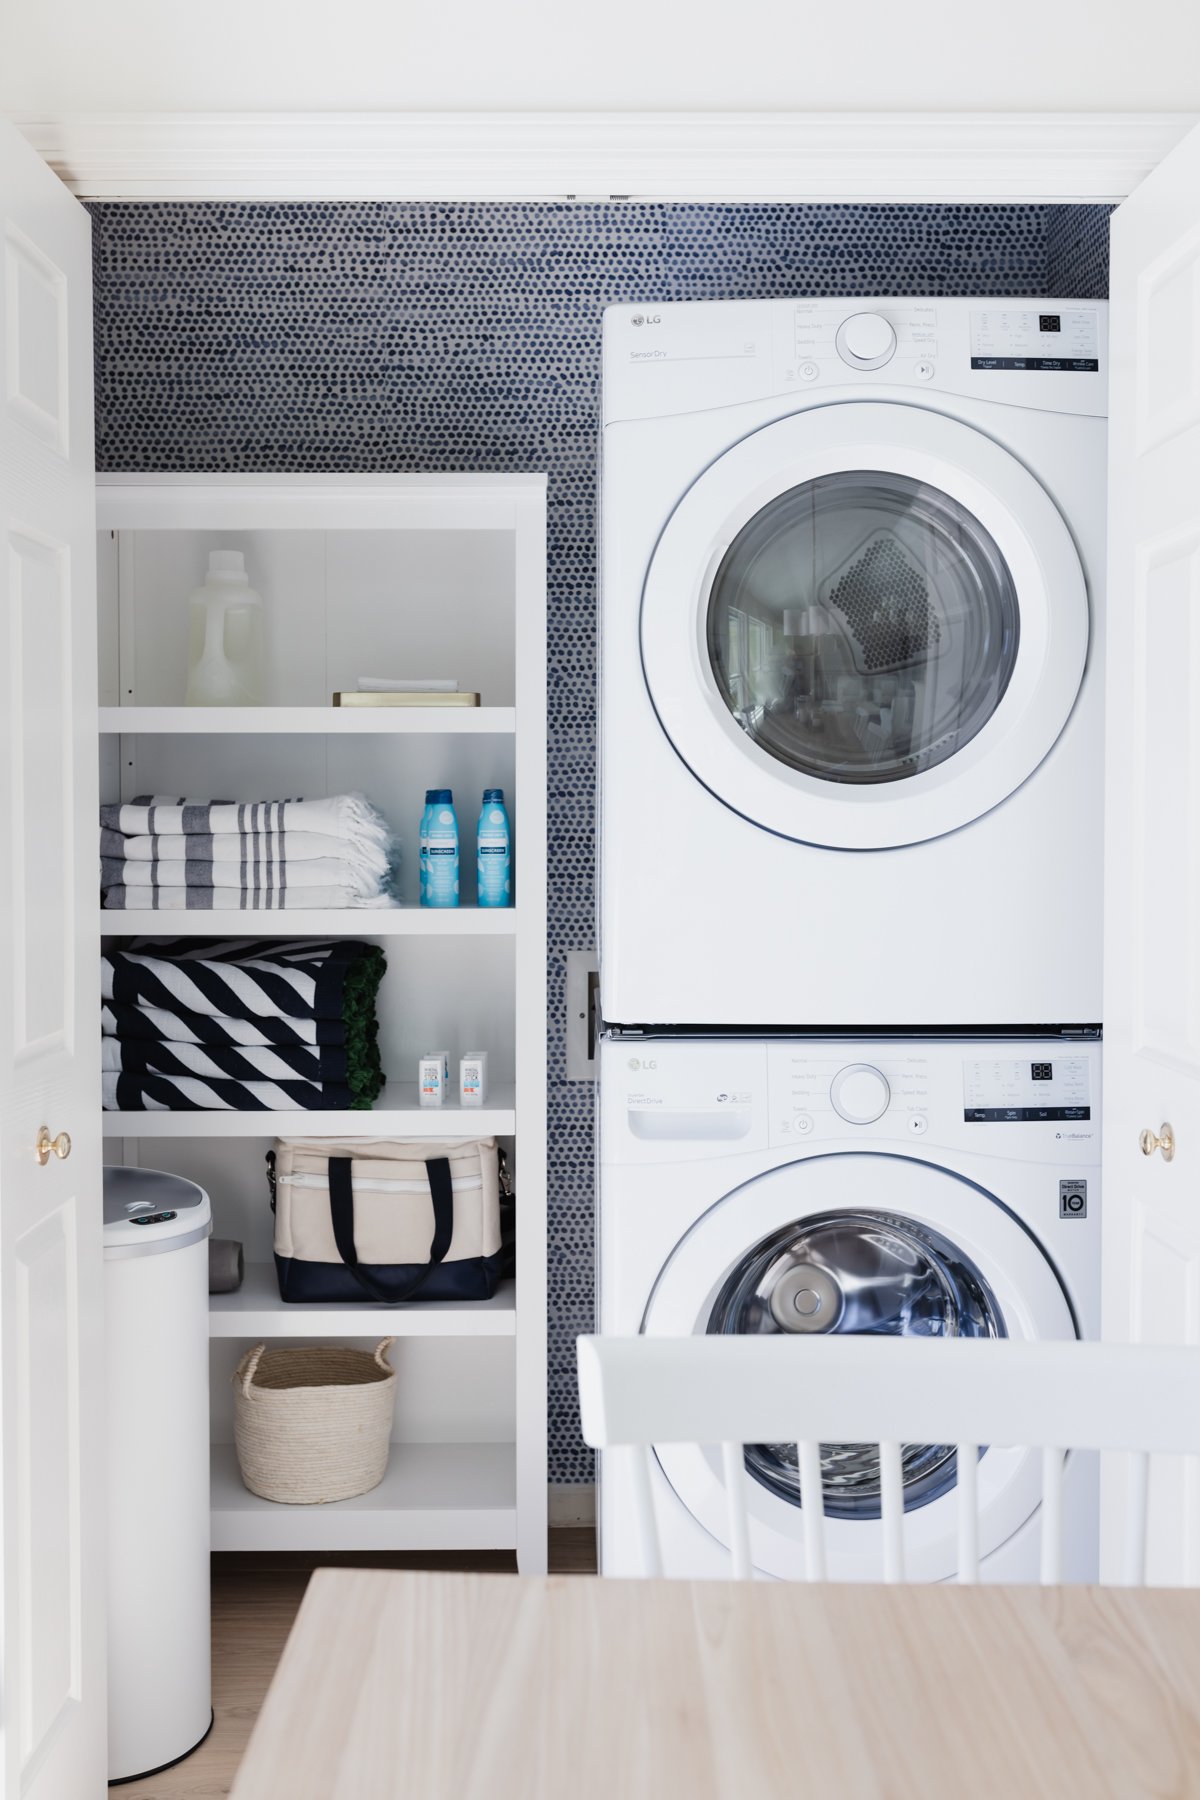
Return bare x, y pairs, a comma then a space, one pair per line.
386, 1219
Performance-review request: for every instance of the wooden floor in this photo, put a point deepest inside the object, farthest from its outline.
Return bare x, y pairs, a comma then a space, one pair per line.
254, 1602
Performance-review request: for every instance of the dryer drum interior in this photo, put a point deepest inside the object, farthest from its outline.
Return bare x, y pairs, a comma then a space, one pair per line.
856, 1272
863, 627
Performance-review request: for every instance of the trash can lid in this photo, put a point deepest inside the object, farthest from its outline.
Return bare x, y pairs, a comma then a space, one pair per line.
147, 1212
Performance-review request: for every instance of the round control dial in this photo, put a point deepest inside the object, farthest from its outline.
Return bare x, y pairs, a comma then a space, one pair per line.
860, 1094
866, 341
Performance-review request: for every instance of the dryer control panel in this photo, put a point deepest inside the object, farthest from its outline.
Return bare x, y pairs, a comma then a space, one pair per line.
691, 356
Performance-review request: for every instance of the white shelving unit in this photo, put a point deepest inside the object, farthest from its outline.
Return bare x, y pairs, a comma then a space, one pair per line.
395, 1114
433, 1497
374, 721
255, 1311
419, 575
465, 921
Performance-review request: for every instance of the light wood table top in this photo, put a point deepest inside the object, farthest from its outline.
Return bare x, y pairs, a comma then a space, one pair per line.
495, 1687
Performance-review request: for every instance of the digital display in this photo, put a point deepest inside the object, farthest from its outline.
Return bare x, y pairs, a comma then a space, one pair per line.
997, 1091
1049, 322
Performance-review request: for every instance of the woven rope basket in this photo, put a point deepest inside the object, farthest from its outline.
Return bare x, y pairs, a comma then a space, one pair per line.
313, 1425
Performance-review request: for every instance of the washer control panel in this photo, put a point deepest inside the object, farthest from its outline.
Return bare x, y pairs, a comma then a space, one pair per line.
1026, 1090
1025, 1100
822, 1090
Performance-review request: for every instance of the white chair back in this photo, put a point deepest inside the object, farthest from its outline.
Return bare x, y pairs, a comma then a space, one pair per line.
734, 1391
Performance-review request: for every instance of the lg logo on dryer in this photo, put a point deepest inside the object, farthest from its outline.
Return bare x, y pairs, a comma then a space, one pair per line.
646, 319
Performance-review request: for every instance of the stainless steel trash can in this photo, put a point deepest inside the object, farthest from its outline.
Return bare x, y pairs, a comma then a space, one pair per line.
156, 1230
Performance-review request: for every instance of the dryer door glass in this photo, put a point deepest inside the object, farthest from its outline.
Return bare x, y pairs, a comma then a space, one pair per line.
859, 1272
862, 627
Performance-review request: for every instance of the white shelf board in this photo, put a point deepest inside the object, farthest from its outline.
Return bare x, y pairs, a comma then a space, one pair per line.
256, 1311
354, 922
395, 1114
433, 1497
326, 721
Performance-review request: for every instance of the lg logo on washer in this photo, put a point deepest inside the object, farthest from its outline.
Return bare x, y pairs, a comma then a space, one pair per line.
636, 1063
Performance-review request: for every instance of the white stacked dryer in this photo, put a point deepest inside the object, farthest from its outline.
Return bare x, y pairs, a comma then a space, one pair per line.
850, 868
851, 692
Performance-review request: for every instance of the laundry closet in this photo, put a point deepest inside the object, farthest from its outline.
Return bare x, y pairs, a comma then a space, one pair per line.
391, 409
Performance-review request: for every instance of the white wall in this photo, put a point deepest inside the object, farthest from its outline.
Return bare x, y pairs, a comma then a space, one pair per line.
419, 55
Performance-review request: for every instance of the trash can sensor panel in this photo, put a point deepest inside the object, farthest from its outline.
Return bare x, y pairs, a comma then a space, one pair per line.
147, 1212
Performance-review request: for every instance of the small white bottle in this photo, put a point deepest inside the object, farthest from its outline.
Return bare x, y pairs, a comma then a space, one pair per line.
433, 1077
472, 1078
225, 636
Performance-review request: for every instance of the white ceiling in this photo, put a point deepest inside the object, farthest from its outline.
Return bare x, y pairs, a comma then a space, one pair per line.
65, 56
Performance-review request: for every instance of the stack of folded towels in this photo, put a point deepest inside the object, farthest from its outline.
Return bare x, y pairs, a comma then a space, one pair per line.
222, 856
200, 1025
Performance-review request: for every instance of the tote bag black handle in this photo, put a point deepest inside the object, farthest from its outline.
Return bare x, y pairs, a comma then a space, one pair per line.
341, 1213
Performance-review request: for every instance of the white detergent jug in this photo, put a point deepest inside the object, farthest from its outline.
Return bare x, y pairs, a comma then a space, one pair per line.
225, 636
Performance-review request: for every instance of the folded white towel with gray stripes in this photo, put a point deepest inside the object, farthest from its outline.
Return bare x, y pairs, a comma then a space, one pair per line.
223, 856
180, 871
254, 897
230, 847
349, 816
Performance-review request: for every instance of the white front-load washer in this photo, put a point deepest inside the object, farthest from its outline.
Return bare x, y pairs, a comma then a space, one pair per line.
897, 1187
851, 687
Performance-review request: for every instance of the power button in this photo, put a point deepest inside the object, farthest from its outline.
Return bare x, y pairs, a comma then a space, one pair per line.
809, 371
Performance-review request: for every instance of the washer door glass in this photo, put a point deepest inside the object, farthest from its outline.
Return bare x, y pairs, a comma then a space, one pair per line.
856, 1272
872, 1242
863, 627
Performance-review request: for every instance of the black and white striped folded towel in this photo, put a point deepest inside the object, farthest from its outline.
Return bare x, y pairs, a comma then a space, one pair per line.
252, 1062
247, 981
158, 1025
189, 1093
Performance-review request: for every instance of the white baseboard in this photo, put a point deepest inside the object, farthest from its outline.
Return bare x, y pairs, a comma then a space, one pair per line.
572, 1504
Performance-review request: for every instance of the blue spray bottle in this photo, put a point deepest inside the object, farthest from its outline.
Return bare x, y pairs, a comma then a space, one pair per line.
439, 849
493, 851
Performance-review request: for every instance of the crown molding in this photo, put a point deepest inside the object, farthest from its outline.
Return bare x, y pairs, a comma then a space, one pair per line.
1038, 157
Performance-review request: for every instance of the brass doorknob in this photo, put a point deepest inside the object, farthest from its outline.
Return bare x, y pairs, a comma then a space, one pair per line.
60, 1146
1164, 1141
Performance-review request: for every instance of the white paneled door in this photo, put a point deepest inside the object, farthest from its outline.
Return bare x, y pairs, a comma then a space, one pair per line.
51, 1322
1152, 920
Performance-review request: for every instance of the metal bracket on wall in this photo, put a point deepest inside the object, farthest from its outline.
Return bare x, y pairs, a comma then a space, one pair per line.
583, 1014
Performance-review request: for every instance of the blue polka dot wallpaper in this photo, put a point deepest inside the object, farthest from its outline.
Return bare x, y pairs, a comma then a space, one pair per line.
466, 336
